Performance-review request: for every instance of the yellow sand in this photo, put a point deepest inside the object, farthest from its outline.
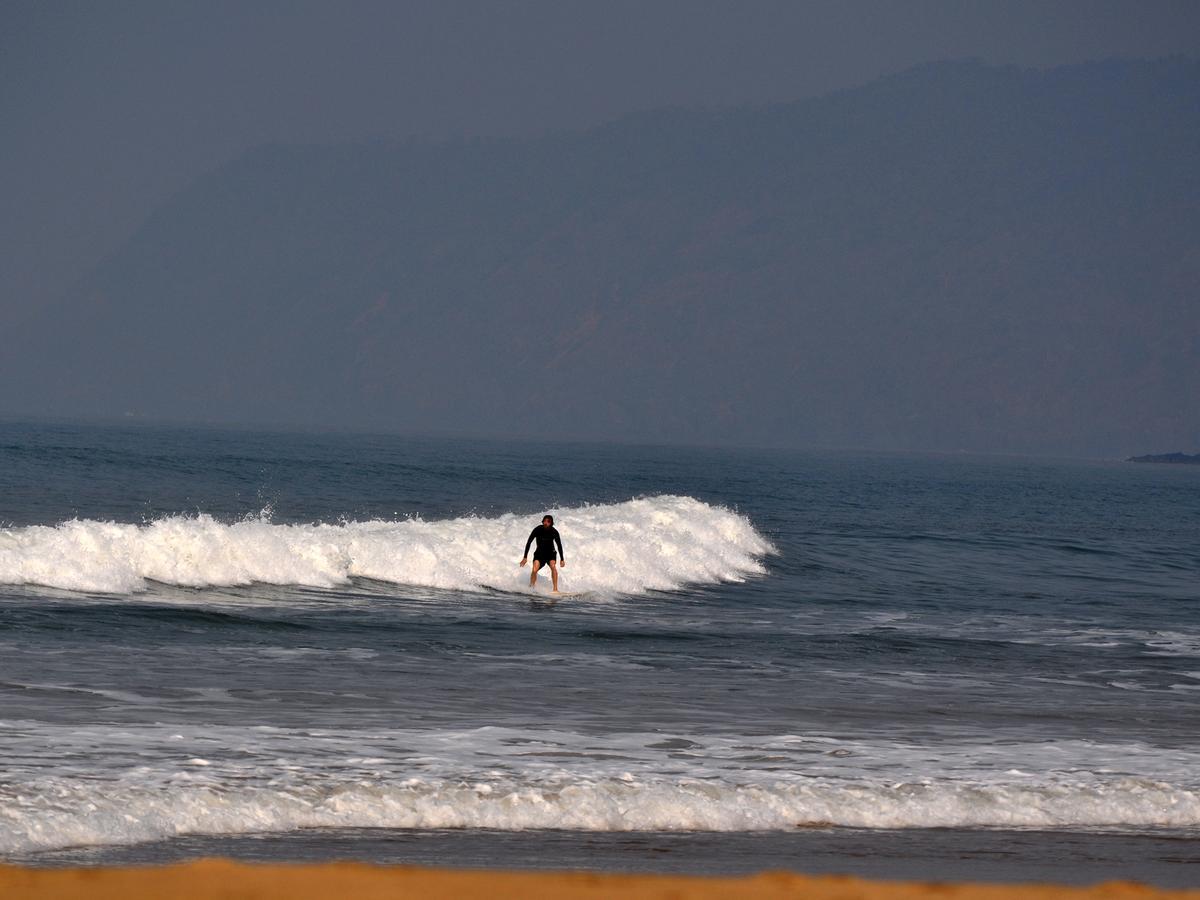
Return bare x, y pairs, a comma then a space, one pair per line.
213, 879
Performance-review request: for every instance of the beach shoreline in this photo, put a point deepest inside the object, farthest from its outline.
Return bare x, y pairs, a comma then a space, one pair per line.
1165, 860
215, 878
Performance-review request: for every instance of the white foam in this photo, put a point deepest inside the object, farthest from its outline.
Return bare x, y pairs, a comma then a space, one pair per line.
654, 543
64, 813
128, 784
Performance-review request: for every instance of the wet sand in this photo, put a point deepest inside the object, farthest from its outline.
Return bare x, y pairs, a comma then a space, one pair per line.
212, 879
1162, 859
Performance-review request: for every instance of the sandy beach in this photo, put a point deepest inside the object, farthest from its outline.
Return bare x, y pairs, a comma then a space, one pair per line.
236, 881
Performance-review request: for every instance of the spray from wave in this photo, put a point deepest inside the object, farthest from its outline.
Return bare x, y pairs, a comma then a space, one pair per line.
654, 543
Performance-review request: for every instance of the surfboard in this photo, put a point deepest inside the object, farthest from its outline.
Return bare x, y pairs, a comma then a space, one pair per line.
538, 595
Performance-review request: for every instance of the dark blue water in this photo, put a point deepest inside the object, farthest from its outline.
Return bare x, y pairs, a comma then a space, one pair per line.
209, 632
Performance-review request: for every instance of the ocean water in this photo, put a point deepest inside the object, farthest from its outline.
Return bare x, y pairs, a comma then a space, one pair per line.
298, 646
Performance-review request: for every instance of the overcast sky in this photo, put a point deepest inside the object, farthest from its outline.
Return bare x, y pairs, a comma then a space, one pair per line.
107, 108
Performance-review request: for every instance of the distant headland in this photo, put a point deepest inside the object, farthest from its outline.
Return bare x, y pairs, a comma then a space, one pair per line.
1185, 458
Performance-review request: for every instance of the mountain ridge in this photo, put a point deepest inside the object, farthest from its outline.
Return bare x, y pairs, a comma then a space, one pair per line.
956, 257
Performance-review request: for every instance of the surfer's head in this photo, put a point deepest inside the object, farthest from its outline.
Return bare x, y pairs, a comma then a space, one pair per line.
548, 521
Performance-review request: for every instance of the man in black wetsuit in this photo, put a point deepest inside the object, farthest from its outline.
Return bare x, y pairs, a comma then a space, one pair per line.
547, 537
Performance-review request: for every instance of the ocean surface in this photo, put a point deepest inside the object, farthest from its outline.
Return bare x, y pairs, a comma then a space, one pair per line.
299, 646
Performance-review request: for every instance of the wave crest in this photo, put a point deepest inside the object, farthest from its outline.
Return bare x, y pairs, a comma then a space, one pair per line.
71, 814
653, 543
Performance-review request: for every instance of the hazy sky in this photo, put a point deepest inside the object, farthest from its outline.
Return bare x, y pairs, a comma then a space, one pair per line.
107, 108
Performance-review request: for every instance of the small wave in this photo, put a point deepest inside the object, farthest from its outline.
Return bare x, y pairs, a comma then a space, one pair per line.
150, 782
65, 814
653, 543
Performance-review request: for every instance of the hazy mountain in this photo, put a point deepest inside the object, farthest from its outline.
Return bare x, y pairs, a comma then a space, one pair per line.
960, 256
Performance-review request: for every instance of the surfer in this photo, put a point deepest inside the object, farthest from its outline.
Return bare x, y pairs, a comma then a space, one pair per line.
547, 538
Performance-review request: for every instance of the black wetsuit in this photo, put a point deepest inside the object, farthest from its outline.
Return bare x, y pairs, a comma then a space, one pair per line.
546, 538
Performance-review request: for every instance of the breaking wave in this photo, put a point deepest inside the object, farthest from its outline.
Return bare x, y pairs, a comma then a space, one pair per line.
654, 543
143, 783
85, 813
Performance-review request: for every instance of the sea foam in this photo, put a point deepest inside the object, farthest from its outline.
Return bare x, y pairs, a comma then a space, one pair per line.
653, 543
151, 782
71, 813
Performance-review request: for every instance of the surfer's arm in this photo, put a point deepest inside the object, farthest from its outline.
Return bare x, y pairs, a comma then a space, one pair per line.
562, 556
525, 553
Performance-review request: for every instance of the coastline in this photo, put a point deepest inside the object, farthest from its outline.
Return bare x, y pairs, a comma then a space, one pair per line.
1164, 860
217, 878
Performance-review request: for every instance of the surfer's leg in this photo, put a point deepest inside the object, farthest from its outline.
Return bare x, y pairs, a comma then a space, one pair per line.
533, 572
554, 574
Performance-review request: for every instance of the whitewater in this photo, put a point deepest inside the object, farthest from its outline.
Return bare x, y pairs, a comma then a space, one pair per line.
268, 779
654, 543
268, 645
